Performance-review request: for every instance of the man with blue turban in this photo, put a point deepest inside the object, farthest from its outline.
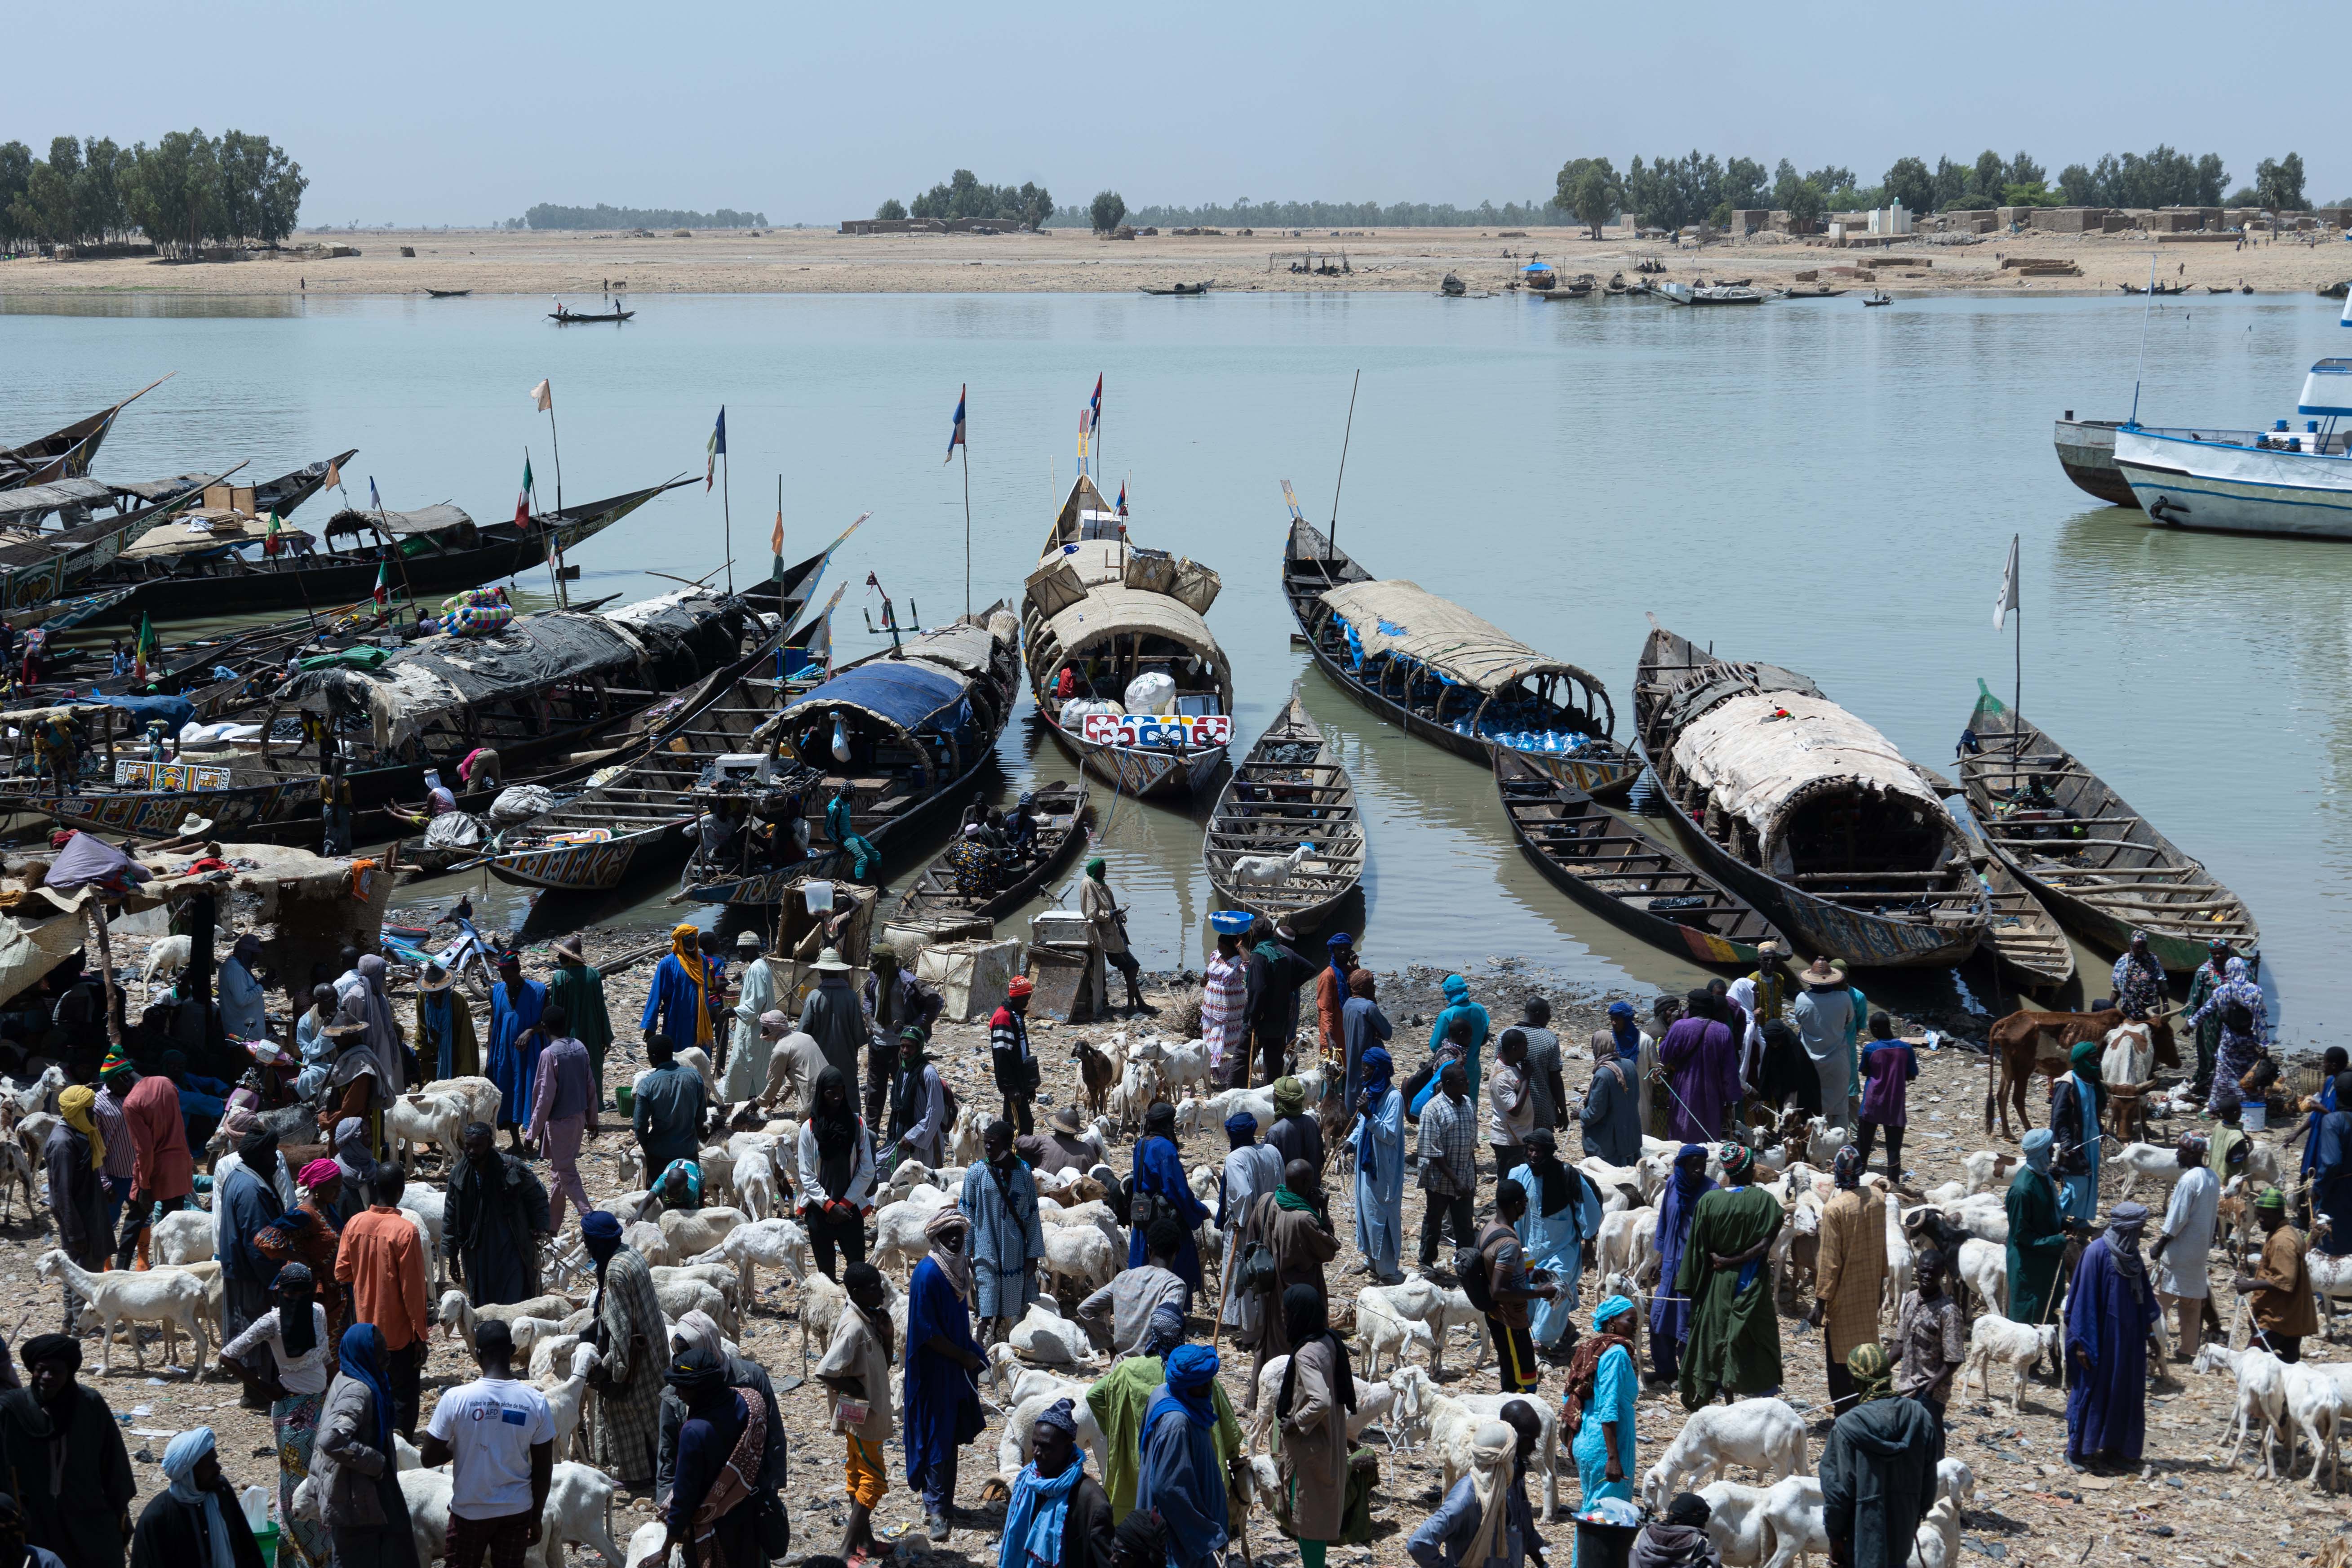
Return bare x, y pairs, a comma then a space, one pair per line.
2037, 1232
1122, 1399
1376, 1142
195, 1522
1180, 1478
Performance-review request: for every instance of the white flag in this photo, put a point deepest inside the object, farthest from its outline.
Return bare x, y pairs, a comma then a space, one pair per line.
542, 397
2008, 600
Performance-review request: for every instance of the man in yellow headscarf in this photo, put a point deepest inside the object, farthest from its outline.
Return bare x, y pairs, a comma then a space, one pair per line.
678, 1007
73, 1154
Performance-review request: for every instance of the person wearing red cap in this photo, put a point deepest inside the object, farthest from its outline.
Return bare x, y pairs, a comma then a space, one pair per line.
1016, 1068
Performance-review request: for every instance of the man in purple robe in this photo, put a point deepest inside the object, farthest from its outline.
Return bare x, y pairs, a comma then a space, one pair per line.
1702, 1066
2111, 1311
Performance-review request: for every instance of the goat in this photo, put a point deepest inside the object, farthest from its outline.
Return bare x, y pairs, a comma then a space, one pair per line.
1794, 1527
1096, 1075
428, 1204
1012, 1447
1765, 1434
1374, 1402
1736, 1522
563, 1397
1988, 1171
767, 1243
1983, 1268
184, 1236
461, 1317
1937, 1542
2261, 1392
679, 1297
420, 1118
822, 1301
649, 1241
1449, 1424
755, 1189
1983, 1215
2016, 1345
1080, 1254
2316, 1405
1439, 1308
691, 1231
1382, 1333
2146, 1162
483, 1098
898, 1228
1489, 1407
1621, 1237
166, 958
1267, 871
1044, 1335
173, 1298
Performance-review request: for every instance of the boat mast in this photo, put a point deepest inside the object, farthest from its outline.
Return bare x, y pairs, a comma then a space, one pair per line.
2145, 314
1331, 541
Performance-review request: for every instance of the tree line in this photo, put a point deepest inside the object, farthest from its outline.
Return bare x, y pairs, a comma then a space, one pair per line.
1672, 193
547, 215
187, 189
962, 196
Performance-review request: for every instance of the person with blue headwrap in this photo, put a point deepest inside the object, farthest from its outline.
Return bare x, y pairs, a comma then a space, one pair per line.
1459, 1006
1058, 1517
1120, 1399
1377, 1141
1670, 1310
354, 1470
1159, 1175
2037, 1231
1556, 1232
1180, 1477
195, 1521
1599, 1410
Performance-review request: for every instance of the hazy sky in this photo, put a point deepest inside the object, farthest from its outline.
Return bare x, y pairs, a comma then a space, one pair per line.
435, 112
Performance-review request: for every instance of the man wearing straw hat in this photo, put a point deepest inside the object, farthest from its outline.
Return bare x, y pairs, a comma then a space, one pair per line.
833, 1016
580, 986
747, 1049
1822, 1015
446, 1043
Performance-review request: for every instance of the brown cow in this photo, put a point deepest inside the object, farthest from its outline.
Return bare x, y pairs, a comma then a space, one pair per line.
2026, 1042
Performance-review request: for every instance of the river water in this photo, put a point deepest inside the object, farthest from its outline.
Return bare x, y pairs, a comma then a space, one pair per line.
1829, 488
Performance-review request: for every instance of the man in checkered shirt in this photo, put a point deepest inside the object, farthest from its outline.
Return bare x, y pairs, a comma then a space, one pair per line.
1449, 1169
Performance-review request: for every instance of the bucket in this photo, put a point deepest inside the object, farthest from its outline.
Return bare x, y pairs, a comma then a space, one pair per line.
2255, 1115
624, 1098
266, 1538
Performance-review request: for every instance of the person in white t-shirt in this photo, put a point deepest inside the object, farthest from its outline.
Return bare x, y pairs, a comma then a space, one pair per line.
498, 1440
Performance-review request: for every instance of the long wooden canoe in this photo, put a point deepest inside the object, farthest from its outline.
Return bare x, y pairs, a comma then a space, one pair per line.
2025, 938
1289, 797
1804, 810
2101, 868
1448, 677
1625, 876
932, 903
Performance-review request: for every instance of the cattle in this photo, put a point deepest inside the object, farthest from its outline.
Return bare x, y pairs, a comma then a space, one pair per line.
2027, 1042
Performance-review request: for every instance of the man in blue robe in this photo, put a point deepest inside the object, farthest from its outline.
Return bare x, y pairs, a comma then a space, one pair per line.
1159, 1173
2111, 1311
1179, 1478
941, 1400
1377, 1141
1008, 1241
1670, 1312
2331, 1173
515, 1044
677, 1006
1556, 1232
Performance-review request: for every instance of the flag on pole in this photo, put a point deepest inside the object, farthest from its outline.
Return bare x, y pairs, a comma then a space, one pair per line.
1095, 407
269, 541
522, 496
1122, 498
776, 544
543, 398
382, 594
375, 502
143, 647
955, 437
716, 450
2008, 600
334, 479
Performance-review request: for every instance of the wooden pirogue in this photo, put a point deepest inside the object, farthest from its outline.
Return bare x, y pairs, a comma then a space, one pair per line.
1805, 811
1289, 801
2103, 868
1098, 616
2023, 937
1629, 878
937, 903
1448, 677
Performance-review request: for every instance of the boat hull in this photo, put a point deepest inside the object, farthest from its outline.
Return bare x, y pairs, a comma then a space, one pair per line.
1141, 773
2236, 489
2086, 451
597, 867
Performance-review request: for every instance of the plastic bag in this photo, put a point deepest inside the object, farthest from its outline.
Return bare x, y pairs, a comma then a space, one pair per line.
520, 803
1151, 693
453, 830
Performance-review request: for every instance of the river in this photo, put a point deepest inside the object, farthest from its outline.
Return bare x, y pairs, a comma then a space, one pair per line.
1829, 488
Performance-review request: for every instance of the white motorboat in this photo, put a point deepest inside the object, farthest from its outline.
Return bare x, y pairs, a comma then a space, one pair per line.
2278, 481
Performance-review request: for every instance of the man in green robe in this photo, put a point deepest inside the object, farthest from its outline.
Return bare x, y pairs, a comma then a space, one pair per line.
1120, 1399
581, 988
2037, 1233
1735, 1334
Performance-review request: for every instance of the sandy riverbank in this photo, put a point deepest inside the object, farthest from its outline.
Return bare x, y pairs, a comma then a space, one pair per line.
578, 266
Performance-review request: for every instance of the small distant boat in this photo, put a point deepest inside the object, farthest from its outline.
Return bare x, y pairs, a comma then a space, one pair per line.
1624, 876
1453, 288
565, 318
448, 293
2161, 289
1180, 289
2103, 868
1709, 293
1881, 297
1814, 292
1289, 797
1617, 284
1538, 275
934, 905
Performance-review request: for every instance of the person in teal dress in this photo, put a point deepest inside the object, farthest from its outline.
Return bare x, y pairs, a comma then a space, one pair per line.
1556, 1232
1600, 1406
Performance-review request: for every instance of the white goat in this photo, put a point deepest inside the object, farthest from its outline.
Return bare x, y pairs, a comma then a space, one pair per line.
1380, 1333
1765, 1434
1983, 1268
564, 1397
2145, 1162
2260, 1395
420, 1118
1736, 1522
1268, 870
2015, 1345
184, 1236
1044, 1335
766, 1244
2315, 1405
461, 1317
173, 1298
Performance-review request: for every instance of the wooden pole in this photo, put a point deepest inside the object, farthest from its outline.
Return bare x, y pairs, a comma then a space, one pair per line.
967, 527
90, 912
1332, 540
726, 510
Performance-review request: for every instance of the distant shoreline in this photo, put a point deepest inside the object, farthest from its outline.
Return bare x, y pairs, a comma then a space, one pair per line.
575, 265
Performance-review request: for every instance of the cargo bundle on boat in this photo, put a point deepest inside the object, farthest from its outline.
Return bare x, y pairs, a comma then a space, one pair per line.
1806, 811
420, 554
552, 694
1446, 675
2103, 869
1125, 670
634, 822
852, 762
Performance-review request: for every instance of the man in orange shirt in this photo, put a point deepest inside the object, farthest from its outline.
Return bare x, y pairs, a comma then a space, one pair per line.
161, 1170
1331, 995
382, 1260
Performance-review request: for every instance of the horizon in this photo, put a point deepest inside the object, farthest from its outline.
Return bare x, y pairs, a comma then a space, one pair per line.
814, 119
